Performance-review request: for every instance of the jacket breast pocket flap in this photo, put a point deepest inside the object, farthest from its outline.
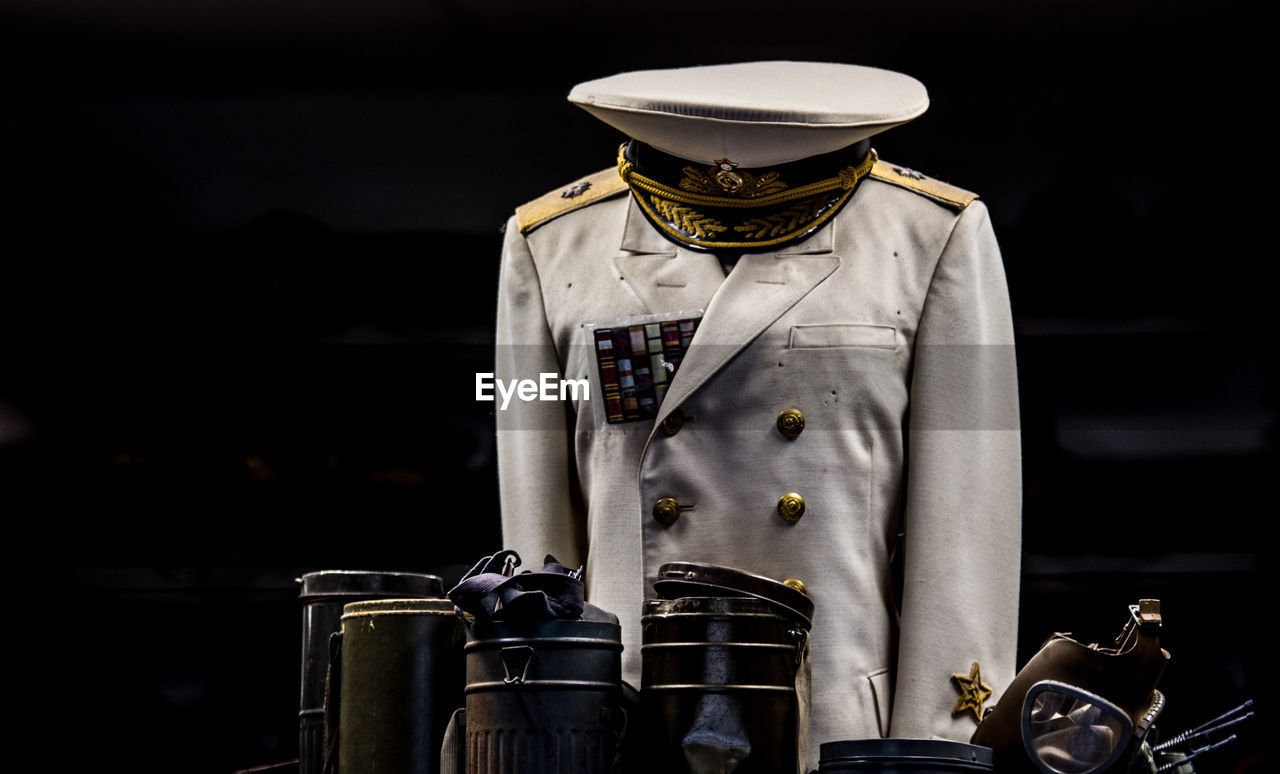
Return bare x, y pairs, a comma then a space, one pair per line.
843, 335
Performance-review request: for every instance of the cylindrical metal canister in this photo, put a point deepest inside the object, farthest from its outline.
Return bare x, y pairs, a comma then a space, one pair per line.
543, 697
323, 595
401, 678
904, 756
719, 690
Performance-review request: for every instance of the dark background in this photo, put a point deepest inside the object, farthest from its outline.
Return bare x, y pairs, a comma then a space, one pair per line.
248, 272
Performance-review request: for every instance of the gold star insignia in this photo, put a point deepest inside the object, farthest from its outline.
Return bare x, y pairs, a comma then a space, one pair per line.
973, 692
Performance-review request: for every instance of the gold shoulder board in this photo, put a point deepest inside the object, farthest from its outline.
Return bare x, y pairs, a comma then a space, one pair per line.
949, 195
604, 183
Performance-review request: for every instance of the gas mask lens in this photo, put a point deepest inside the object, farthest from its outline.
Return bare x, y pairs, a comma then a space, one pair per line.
1070, 731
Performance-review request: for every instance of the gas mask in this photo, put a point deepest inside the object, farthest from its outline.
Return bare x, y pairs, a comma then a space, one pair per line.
1081, 709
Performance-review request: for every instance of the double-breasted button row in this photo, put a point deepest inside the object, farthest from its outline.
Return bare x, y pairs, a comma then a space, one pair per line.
791, 507
790, 422
796, 584
791, 425
672, 424
667, 510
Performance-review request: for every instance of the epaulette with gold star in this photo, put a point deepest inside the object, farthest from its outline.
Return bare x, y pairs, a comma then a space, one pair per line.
590, 189
940, 192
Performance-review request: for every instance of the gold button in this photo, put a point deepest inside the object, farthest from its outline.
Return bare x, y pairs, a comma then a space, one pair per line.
791, 423
790, 507
798, 585
666, 510
672, 424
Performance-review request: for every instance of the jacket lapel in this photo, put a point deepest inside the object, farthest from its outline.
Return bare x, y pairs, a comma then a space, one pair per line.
759, 290
665, 278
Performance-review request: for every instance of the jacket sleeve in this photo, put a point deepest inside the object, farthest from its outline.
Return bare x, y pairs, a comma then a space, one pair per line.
963, 491
535, 470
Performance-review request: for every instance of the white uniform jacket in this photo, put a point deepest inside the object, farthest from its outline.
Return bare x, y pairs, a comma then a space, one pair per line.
889, 329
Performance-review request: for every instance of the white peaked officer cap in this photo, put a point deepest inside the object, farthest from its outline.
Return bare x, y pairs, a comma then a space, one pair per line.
754, 114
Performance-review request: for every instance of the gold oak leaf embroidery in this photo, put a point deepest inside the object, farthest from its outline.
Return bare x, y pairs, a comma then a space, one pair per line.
687, 220
778, 223
973, 692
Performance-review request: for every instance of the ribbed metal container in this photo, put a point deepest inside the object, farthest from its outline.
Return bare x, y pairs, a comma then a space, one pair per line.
323, 595
542, 698
401, 679
718, 687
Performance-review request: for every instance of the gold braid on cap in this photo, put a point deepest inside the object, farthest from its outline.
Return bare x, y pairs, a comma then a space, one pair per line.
722, 207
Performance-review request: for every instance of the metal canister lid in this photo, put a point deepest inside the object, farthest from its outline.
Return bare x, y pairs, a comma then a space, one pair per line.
398, 607
939, 754
695, 579
365, 583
